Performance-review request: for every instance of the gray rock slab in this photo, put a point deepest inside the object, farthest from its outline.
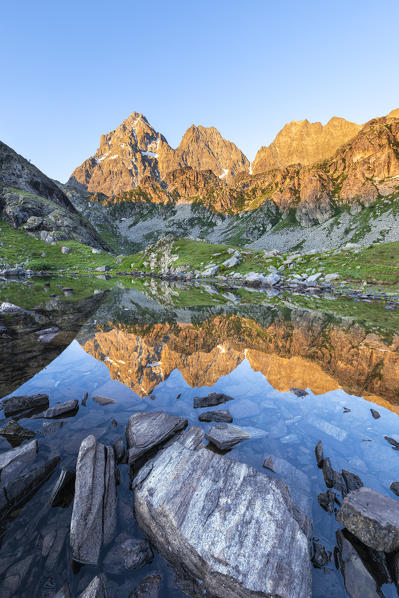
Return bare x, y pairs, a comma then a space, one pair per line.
102, 400
64, 592
146, 431
64, 485
223, 415
95, 589
93, 521
52, 427
224, 437
148, 588
16, 460
298, 483
62, 409
235, 530
372, 517
19, 404
15, 434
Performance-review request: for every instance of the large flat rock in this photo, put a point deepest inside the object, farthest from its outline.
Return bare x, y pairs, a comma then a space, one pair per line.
224, 437
371, 517
62, 409
93, 520
146, 431
16, 460
235, 531
19, 404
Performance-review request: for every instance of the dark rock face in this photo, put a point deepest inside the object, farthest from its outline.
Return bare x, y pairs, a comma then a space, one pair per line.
63, 488
70, 407
213, 399
224, 437
183, 498
320, 557
319, 454
371, 517
95, 589
352, 481
16, 405
269, 464
148, 588
216, 416
127, 554
93, 520
359, 583
18, 489
331, 477
51, 427
327, 500
102, 400
16, 434
146, 431
119, 449
395, 488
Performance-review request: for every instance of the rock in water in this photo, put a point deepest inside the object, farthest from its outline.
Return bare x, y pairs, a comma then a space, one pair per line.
376, 414
14, 461
16, 434
352, 481
359, 583
211, 400
15, 405
224, 437
148, 430
62, 409
371, 517
93, 520
148, 588
127, 554
216, 416
102, 400
319, 454
234, 530
64, 592
95, 589
299, 392
320, 557
269, 463
395, 488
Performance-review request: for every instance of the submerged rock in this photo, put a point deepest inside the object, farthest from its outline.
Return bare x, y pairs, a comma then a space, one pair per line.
394, 443
216, 416
371, 517
102, 400
211, 400
63, 489
234, 530
327, 500
19, 404
64, 592
63, 409
269, 464
119, 449
148, 588
12, 462
319, 454
93, 521
127, 554
395, 488
95, 589
51, 427
376, 414
224, 437
16, 434
146, 431
320, 557
299, 392
352, 481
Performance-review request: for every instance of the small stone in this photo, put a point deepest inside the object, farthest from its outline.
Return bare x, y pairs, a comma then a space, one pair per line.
216, 416
127, 554
20, 404
346, 410
375, 413
299, 392
319, 454
148, 588
352, 481
327, 500
320, 557
393, 442
395, 488
105, 268
211, 400
269, 464
102, 400
224, 437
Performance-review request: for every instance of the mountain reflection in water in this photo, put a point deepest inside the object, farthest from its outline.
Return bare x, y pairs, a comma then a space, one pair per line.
150, 357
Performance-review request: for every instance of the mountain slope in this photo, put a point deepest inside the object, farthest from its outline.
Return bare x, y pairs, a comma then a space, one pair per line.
305, 143
33, 202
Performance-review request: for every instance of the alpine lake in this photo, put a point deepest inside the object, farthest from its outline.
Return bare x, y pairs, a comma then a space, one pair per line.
141, 346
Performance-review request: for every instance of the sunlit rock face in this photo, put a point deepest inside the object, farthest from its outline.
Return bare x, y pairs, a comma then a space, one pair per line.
305, 351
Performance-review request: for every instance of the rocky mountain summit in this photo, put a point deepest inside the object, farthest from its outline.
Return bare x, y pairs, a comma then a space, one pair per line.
134, 152
33, 202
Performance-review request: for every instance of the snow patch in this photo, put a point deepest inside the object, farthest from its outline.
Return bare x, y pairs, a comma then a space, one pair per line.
250, 169
225, 173
113, 157
151, 154
101, 158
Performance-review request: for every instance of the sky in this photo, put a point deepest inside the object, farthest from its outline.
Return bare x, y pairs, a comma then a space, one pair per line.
71, 71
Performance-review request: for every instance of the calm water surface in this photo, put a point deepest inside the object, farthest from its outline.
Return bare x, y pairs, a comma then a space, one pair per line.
144, 355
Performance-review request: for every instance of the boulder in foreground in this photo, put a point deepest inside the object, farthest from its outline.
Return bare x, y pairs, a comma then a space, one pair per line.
371, 517
235, 531
146, 431
93, 519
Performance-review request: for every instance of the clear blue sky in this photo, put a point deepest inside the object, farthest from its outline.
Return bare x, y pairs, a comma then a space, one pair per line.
71, 70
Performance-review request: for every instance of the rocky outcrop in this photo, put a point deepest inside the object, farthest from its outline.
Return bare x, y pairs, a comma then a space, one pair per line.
305, 143
183, 500
93, 521
33, 202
